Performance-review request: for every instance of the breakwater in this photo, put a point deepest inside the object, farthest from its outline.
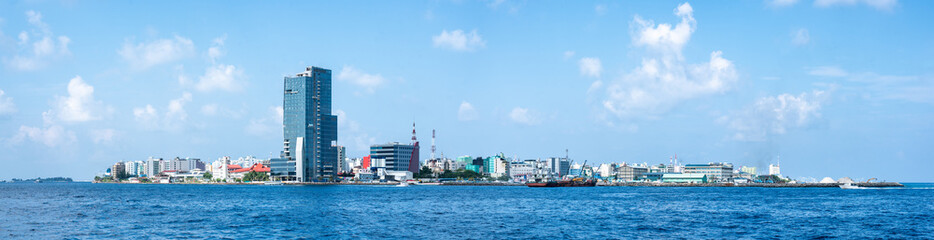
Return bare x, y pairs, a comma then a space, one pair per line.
769, 185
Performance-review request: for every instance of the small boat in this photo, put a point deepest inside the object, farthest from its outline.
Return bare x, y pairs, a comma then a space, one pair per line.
849, 186
272, 183
403, 184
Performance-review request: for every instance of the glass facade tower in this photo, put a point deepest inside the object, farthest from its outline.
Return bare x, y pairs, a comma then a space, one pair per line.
309, 129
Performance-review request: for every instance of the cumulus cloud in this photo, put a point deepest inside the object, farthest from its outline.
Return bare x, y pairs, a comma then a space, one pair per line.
79, 105
466, 112
268, 126
360, 78
590, 67
663, 79
6, 104
221, 77
523, 116
457, 40
662, 37
38, 46
775, 115
884, 5
51, 136
148, 54
172, 120
801, 37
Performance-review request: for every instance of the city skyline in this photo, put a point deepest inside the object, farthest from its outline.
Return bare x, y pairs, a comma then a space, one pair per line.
87, 84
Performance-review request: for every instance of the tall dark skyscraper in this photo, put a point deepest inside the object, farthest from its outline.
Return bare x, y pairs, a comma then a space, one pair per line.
309, 129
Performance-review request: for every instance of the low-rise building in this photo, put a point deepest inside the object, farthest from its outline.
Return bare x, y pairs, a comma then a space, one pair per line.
716, 172
630, 173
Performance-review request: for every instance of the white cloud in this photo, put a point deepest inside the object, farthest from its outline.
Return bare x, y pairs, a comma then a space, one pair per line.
458, 41
466, 112
590, 67
102, 135
664, 79
45, 47
883, 5
523, 116
217, 48
148, 54
600, 9
801, 37
52, 136
209, 109
6, 104
221, 77
173, 119
147, 116
568, 54
828, 71
775, 115
360, 78
781, 3
79, 105
663, 37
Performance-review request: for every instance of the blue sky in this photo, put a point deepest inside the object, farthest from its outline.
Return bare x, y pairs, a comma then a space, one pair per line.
835, 87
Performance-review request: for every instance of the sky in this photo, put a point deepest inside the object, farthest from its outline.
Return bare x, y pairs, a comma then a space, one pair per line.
830, 88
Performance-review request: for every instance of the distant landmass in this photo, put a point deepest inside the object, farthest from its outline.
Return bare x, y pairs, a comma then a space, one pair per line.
41, 180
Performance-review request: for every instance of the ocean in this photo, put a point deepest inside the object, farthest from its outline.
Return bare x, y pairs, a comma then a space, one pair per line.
154, 211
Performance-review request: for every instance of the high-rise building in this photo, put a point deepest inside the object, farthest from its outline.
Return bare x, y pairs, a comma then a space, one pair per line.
309, 129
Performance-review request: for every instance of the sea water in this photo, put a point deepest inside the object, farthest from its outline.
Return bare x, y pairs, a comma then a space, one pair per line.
158, 211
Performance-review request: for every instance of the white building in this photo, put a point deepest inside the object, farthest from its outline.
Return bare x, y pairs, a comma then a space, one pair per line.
130, 168
606, 170
774, 170
521, 171
154, 166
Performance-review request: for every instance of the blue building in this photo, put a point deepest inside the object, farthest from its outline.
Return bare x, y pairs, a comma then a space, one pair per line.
309, 129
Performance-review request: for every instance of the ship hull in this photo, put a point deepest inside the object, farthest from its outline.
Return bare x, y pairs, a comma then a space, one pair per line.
562, 184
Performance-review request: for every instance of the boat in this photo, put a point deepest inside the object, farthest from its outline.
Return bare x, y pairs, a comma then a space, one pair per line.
577, 182
849, 186
403, 184
272, 183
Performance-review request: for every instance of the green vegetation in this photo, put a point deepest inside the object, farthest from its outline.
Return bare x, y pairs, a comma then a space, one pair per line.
425, 172
207, 175
254, 176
